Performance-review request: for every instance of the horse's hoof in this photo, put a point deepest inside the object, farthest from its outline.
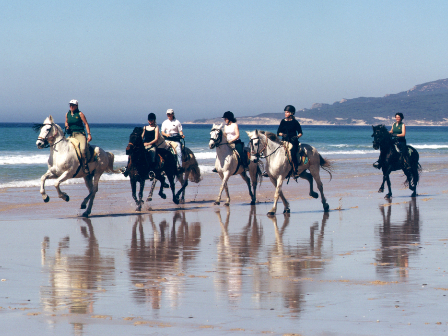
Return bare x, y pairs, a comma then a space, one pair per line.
380, 190
67, 198
139, 208
287, 211
83, 206
166, 185
271, 213
314, 194
85, 214
414, 194
47, 199
182, 201
252, 203
162, 196
388, 196
149, 199
227, 204
326, 207
217, 203
175, 200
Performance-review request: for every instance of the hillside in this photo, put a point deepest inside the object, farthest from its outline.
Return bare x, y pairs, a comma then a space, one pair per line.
424, 104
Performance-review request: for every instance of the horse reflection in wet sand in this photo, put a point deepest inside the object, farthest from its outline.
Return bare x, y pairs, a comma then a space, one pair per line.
74, 278
292, 262
399, 240
157, 264
235, 252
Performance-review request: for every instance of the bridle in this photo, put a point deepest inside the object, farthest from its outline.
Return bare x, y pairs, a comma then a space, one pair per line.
217, 141
257, 153
46, 140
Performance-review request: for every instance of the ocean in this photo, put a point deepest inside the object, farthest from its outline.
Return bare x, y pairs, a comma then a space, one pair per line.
22, 163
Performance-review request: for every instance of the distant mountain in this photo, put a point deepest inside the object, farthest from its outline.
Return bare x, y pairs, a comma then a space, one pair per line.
424, 104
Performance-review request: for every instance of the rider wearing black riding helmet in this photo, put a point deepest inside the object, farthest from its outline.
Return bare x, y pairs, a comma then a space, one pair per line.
290, 130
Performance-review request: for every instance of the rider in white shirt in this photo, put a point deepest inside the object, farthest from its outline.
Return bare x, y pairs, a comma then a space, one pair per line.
172, 131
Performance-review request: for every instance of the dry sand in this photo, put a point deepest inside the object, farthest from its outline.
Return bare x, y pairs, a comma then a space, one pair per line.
368, 267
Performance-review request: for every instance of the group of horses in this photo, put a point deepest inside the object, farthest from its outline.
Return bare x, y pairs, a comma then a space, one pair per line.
64, 163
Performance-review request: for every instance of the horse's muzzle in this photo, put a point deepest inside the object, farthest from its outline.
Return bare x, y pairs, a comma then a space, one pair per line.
40, 144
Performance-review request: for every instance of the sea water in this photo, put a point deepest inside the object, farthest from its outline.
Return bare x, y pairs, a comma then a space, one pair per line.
22, 163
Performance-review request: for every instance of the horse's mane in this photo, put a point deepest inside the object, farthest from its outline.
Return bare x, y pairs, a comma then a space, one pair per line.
38, 127
271, 136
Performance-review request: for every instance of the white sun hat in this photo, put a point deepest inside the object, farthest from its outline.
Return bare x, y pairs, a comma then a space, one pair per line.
169, 111
73, 101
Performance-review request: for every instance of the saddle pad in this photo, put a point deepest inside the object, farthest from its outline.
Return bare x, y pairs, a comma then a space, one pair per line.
75, 144
172, 144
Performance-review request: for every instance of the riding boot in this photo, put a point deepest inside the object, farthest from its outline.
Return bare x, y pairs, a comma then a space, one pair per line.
295, 162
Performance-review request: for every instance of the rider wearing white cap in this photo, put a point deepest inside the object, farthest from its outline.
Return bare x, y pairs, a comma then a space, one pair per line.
75, 121
172, 131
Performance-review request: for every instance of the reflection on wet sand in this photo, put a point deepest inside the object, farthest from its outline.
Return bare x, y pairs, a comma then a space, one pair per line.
398, 240
74, 278
157, 263
292, 262
235, 251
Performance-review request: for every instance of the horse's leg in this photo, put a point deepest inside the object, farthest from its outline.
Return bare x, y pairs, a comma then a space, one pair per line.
44, 177
307, 176
161, 178
314, 169
254, 173
247, 180
59, 180
278, 193
182, 180
151, 191
173, 187
140, 195
224, 177
415, 178
133, 181
89, 185
92, 194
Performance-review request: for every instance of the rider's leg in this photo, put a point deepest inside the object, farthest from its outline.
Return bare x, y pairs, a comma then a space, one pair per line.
84, 152
240, 149
295, 147
179, 157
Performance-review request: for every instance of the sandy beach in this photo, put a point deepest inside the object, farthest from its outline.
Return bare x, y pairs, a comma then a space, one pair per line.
370, 266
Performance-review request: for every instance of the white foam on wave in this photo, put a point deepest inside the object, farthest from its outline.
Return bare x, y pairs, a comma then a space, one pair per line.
205, 155
36, 182
39, 159
429, 146
353, 152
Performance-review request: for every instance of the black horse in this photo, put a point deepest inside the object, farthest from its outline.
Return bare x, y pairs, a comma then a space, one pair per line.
390, 160
140, 170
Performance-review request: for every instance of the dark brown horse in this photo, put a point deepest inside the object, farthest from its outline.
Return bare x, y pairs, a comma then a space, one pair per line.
390, 160
140, 171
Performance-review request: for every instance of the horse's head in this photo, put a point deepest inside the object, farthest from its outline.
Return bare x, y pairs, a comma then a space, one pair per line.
215, 136
379, 135
48, 132
254, 145
135, 140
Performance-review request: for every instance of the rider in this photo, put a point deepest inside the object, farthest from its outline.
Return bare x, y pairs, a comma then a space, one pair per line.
172, 131
233, 135
290, 130
398, 132
151, 137
75, 121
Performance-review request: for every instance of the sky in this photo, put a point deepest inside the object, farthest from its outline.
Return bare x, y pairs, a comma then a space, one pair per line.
124, 59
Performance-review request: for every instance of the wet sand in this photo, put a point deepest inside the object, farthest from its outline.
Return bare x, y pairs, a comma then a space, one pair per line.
368, 267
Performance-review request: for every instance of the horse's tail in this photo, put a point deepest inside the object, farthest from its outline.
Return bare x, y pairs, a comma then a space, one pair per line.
326, 165
110, 166
195, 172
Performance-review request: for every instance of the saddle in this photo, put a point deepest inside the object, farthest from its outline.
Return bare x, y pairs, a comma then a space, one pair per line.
173, 146
75, 144
301, 158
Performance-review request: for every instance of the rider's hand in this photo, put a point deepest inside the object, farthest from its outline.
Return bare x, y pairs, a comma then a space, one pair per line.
89, 138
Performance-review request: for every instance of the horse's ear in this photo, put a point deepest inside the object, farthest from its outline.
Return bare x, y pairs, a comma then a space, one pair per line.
51, 119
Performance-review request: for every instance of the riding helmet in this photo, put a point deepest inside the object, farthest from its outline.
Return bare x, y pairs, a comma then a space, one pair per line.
229, 115
290, 108
151, 116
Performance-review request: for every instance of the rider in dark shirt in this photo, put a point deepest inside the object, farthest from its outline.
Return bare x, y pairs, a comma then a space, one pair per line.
290, 130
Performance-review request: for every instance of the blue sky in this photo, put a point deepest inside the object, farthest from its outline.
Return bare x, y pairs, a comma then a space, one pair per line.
122, 60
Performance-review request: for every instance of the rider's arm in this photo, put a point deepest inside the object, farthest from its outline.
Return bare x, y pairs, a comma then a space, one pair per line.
280, 129
392, 129
299, 130
84, 120
179, 128
403, 131
163, 130
66, 121
156, 136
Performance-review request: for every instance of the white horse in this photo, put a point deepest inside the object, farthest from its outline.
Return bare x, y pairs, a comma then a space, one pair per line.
64, 164
227, 164
278, 166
